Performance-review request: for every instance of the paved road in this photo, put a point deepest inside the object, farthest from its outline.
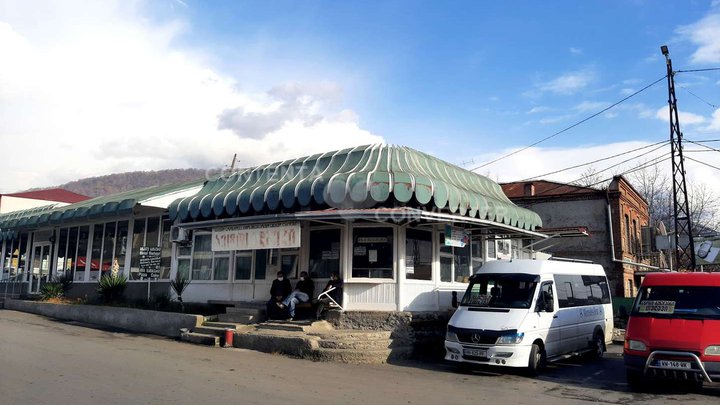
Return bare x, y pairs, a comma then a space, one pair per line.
51, 362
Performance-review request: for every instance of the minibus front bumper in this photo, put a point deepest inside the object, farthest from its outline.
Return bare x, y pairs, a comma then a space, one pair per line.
496, 355
674, 365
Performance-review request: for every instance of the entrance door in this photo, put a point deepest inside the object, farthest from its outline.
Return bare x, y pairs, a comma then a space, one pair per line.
40, 268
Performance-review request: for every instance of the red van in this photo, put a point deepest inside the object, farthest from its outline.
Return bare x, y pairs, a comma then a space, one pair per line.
674, 329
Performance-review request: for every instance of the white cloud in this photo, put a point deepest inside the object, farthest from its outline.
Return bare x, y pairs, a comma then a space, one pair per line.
706, 35
576, 51
569, 83
627, 91
590, 106
89, 89
714, 122
538, 109
686, 118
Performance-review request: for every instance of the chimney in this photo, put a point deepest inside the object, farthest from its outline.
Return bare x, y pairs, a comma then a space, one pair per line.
529, 190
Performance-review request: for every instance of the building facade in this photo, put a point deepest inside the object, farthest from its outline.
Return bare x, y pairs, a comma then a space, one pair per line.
402, 228
614, 218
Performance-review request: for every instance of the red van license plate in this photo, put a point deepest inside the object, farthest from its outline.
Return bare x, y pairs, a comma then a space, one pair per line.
475, 352
673, 364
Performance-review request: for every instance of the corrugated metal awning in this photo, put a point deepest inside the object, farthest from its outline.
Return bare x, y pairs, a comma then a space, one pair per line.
362, 177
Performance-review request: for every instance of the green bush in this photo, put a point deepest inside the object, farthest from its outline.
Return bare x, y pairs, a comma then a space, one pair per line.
51, 290
161, 301
112, 288
66, 281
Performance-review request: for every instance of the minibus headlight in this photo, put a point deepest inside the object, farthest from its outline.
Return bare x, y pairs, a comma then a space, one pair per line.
712, 351
636, 345
513, 339
452, 336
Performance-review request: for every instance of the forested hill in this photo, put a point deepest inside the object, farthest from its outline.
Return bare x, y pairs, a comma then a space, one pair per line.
119, 182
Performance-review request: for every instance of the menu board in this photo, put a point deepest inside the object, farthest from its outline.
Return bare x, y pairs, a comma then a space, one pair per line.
150, 258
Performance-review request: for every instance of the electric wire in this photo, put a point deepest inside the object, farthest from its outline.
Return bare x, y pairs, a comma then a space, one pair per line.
704, 146
702, 163
697, 70
594, 161
713, 106
571, 126
648, 163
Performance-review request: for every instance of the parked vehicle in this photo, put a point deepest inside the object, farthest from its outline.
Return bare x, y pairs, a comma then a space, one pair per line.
674, 328
524, 313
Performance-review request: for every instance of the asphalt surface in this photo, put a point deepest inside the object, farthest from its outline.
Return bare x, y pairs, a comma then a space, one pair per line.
44, 361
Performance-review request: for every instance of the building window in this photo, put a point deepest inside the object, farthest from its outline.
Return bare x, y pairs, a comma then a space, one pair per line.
324, 253
627, 232
418, 255
455, 262
150, 232
81, 264
243, 265
202, 257
96, 250
373, 252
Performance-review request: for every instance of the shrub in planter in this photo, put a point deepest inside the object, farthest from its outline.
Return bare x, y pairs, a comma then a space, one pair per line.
111, 288
179, 284
51, 290
66, 281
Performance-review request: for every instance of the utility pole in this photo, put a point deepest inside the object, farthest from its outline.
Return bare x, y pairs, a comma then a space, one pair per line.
685, 247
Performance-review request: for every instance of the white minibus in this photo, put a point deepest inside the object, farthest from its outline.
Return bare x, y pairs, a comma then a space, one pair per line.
524, 313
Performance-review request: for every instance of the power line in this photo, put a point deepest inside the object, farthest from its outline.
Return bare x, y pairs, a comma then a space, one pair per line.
697, 70
703, 140
702, 163
713, 106
595, 161
704, 146
573, 125
649, 163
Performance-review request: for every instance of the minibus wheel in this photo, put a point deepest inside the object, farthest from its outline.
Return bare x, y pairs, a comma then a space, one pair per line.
598, 346
537, 360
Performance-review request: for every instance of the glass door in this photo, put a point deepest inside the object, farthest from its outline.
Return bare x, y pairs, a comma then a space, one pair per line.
40, 268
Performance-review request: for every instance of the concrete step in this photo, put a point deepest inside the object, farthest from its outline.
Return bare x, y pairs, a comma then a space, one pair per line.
211, 330
350, 344
306, 326
200, 339
277, 341
224, 325
361, 356
256, 312
351, 334
238, 318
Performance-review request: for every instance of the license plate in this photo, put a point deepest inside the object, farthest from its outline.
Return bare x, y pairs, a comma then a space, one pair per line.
674, 364
475, 352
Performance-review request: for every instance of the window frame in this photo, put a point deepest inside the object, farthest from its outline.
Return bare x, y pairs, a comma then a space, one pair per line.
351, 248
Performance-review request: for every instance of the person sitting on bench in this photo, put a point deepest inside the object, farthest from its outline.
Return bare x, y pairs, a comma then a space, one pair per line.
302, 293
280, 289
333, 297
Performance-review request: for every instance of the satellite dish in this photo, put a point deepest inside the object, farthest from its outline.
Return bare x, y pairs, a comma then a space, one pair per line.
661, 229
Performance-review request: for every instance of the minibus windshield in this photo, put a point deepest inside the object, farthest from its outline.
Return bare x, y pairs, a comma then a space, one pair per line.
500, 291
678, 302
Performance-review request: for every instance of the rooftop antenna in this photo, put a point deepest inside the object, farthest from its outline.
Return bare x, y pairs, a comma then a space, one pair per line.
232, 165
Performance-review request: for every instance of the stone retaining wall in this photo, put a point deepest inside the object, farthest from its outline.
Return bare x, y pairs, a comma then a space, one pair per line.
134, 320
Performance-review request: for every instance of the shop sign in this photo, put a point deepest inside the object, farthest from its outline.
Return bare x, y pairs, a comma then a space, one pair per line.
149, 262
251, 237
456, 237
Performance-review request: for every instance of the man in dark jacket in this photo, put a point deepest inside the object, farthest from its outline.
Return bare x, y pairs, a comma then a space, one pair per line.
302, 293
280, 289
334, 296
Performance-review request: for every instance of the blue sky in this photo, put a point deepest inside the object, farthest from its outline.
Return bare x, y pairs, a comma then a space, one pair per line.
467, 81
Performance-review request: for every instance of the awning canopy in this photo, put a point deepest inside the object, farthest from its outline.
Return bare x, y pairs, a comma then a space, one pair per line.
362, 177
112, 205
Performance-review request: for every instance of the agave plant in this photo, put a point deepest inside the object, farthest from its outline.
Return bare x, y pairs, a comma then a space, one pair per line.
111, 288
66, 281
51, 290
179, 284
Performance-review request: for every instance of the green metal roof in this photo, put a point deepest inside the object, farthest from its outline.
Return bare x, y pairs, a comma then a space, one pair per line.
115, 204
362, 177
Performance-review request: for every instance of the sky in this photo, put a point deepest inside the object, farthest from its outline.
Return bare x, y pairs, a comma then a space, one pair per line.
89, 88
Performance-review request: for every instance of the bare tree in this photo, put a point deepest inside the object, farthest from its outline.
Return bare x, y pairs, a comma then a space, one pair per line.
589, 178
656, 186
